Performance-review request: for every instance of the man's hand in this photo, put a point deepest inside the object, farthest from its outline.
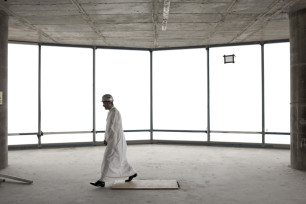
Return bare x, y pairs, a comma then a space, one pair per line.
105, 143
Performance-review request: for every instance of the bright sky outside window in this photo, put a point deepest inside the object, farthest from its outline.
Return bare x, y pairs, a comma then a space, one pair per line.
22, 88
124, 74
277, 92
66, 89
180, 91
235, 91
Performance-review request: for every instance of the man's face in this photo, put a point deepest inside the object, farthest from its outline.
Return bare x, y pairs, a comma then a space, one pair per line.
107, 105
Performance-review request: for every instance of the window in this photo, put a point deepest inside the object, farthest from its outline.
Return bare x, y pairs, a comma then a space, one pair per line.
180, 92
124, 74
23, 92
277, 92
67, 89
235, 92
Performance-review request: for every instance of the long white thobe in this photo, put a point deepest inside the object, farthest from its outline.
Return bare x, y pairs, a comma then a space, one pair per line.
115, 164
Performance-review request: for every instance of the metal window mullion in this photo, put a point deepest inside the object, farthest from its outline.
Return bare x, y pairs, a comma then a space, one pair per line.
66, 132
208, 96
263, 93
151, 96
39, 96
94, 96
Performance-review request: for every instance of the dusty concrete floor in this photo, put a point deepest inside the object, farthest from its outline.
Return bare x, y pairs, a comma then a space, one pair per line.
206, 175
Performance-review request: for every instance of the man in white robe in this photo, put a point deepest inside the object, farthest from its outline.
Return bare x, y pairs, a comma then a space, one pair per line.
114, 164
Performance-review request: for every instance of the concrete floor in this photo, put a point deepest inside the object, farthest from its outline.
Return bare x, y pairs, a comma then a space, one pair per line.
206, 175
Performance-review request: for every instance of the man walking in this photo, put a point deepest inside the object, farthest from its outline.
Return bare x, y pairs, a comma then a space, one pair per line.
114, 164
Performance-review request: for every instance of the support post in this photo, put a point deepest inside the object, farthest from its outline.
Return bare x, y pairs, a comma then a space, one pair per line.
297, 21
3, 90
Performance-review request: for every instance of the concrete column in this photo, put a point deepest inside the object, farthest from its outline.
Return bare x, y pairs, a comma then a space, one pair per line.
3, 89
297, 21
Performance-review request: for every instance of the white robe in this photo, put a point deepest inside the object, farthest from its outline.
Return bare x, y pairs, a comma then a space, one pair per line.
115, 164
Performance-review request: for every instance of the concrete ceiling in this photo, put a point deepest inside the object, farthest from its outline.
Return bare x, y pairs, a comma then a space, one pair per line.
138, 23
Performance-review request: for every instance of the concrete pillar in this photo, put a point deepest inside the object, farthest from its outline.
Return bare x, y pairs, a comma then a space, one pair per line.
297, 21
3, 89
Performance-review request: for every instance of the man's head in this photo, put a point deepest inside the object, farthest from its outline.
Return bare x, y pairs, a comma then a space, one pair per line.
107, 100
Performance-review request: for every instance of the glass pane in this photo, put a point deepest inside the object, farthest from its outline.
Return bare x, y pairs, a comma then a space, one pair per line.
66, 89
277, 87
229, 137
179, 89
183, 136
235, 89
22, 88
66, 138
137, 135
277, 139
23, 139
126, 76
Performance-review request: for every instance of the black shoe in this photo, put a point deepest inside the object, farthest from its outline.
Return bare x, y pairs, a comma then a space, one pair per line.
131, 178
98, 184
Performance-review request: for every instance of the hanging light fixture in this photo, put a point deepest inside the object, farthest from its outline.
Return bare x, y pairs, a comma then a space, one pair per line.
229, 58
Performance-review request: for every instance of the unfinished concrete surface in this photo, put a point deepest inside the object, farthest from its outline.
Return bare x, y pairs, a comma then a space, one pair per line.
206, 175
3, 89
298, 90
138, 23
